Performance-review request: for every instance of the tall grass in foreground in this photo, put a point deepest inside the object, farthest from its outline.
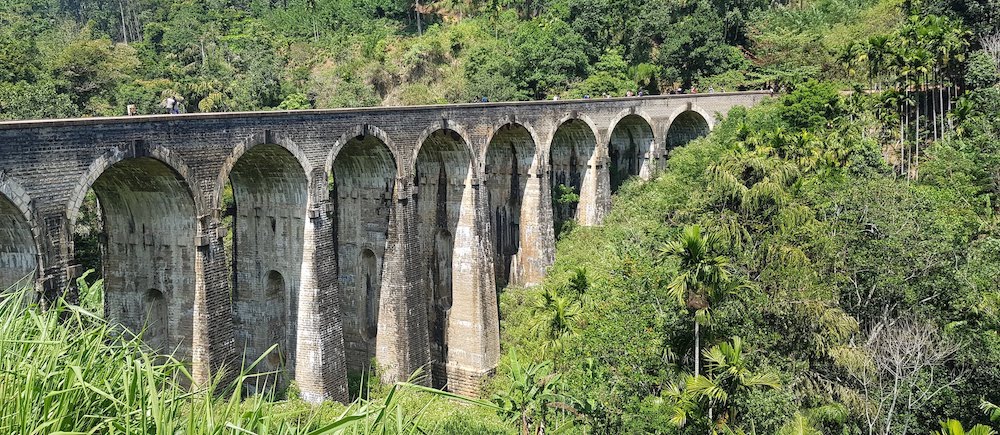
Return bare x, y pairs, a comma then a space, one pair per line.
67, 370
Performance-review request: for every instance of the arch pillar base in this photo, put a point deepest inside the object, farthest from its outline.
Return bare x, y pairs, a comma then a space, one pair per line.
474, 320
401, 342
321, 364
466, 381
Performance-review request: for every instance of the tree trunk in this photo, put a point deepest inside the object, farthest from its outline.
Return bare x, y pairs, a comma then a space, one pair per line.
906, 131
902, 132
933, 118
944, 114
121, 9
416, 11
697, 347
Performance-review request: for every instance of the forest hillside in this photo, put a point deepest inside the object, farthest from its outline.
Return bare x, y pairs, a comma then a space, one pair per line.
61, 58
825, 262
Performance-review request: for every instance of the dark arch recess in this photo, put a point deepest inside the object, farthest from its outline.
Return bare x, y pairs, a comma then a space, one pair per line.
270, 195
18, 256
573, 146
443, 166
630, 144
150, 224
509, 157
362, 182
686, 127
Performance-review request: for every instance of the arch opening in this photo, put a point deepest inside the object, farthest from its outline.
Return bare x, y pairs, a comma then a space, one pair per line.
510, 159
266, 223
146, 223
362, 182
630, 151
89, 237
445, 210
686, 127
18, 255
571, 155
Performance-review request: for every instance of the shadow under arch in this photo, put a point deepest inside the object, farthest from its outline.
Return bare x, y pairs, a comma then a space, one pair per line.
630, 150
362, 186
19, 250
510, 163
445, 213
149, 215
265, 137
572, 155
132, 151
685, 126
436, 132
267, 218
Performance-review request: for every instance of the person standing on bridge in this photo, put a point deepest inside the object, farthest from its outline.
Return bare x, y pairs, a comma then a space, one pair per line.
169, 104
176, 108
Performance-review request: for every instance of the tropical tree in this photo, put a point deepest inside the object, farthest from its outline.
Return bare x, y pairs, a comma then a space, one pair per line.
730, 375
554, 319
954, 427
533, 395
701, 281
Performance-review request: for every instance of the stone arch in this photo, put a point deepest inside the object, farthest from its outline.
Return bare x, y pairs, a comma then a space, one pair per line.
150, 221
509, 122
510, 162
361, 131
573, 158
574, 117
270, 191
264, 137
631, 149
19, 251
133, 150
446, 203
458, 134
686, 124
363, 174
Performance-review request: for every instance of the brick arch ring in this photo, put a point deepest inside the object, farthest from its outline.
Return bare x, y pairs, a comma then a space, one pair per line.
547, 148
628, 112
17, 195
709, 119
511, 120
364, 130
264, 137
445, 124
135, 150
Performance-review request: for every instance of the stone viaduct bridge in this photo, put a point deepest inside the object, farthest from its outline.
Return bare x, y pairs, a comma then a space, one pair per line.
358, 235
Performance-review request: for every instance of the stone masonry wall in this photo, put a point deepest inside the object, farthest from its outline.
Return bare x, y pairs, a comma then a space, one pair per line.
401, 214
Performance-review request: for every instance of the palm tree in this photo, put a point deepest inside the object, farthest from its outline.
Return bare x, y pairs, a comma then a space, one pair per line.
702, 278
554, 319
876, 52
730, 374
954, 427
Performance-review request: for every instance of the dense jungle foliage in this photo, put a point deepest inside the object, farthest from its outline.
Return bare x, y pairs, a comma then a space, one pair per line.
779, 280
827, 262
62, 58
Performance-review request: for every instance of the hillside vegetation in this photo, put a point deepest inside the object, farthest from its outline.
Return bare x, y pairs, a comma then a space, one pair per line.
826, 262
95, 57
